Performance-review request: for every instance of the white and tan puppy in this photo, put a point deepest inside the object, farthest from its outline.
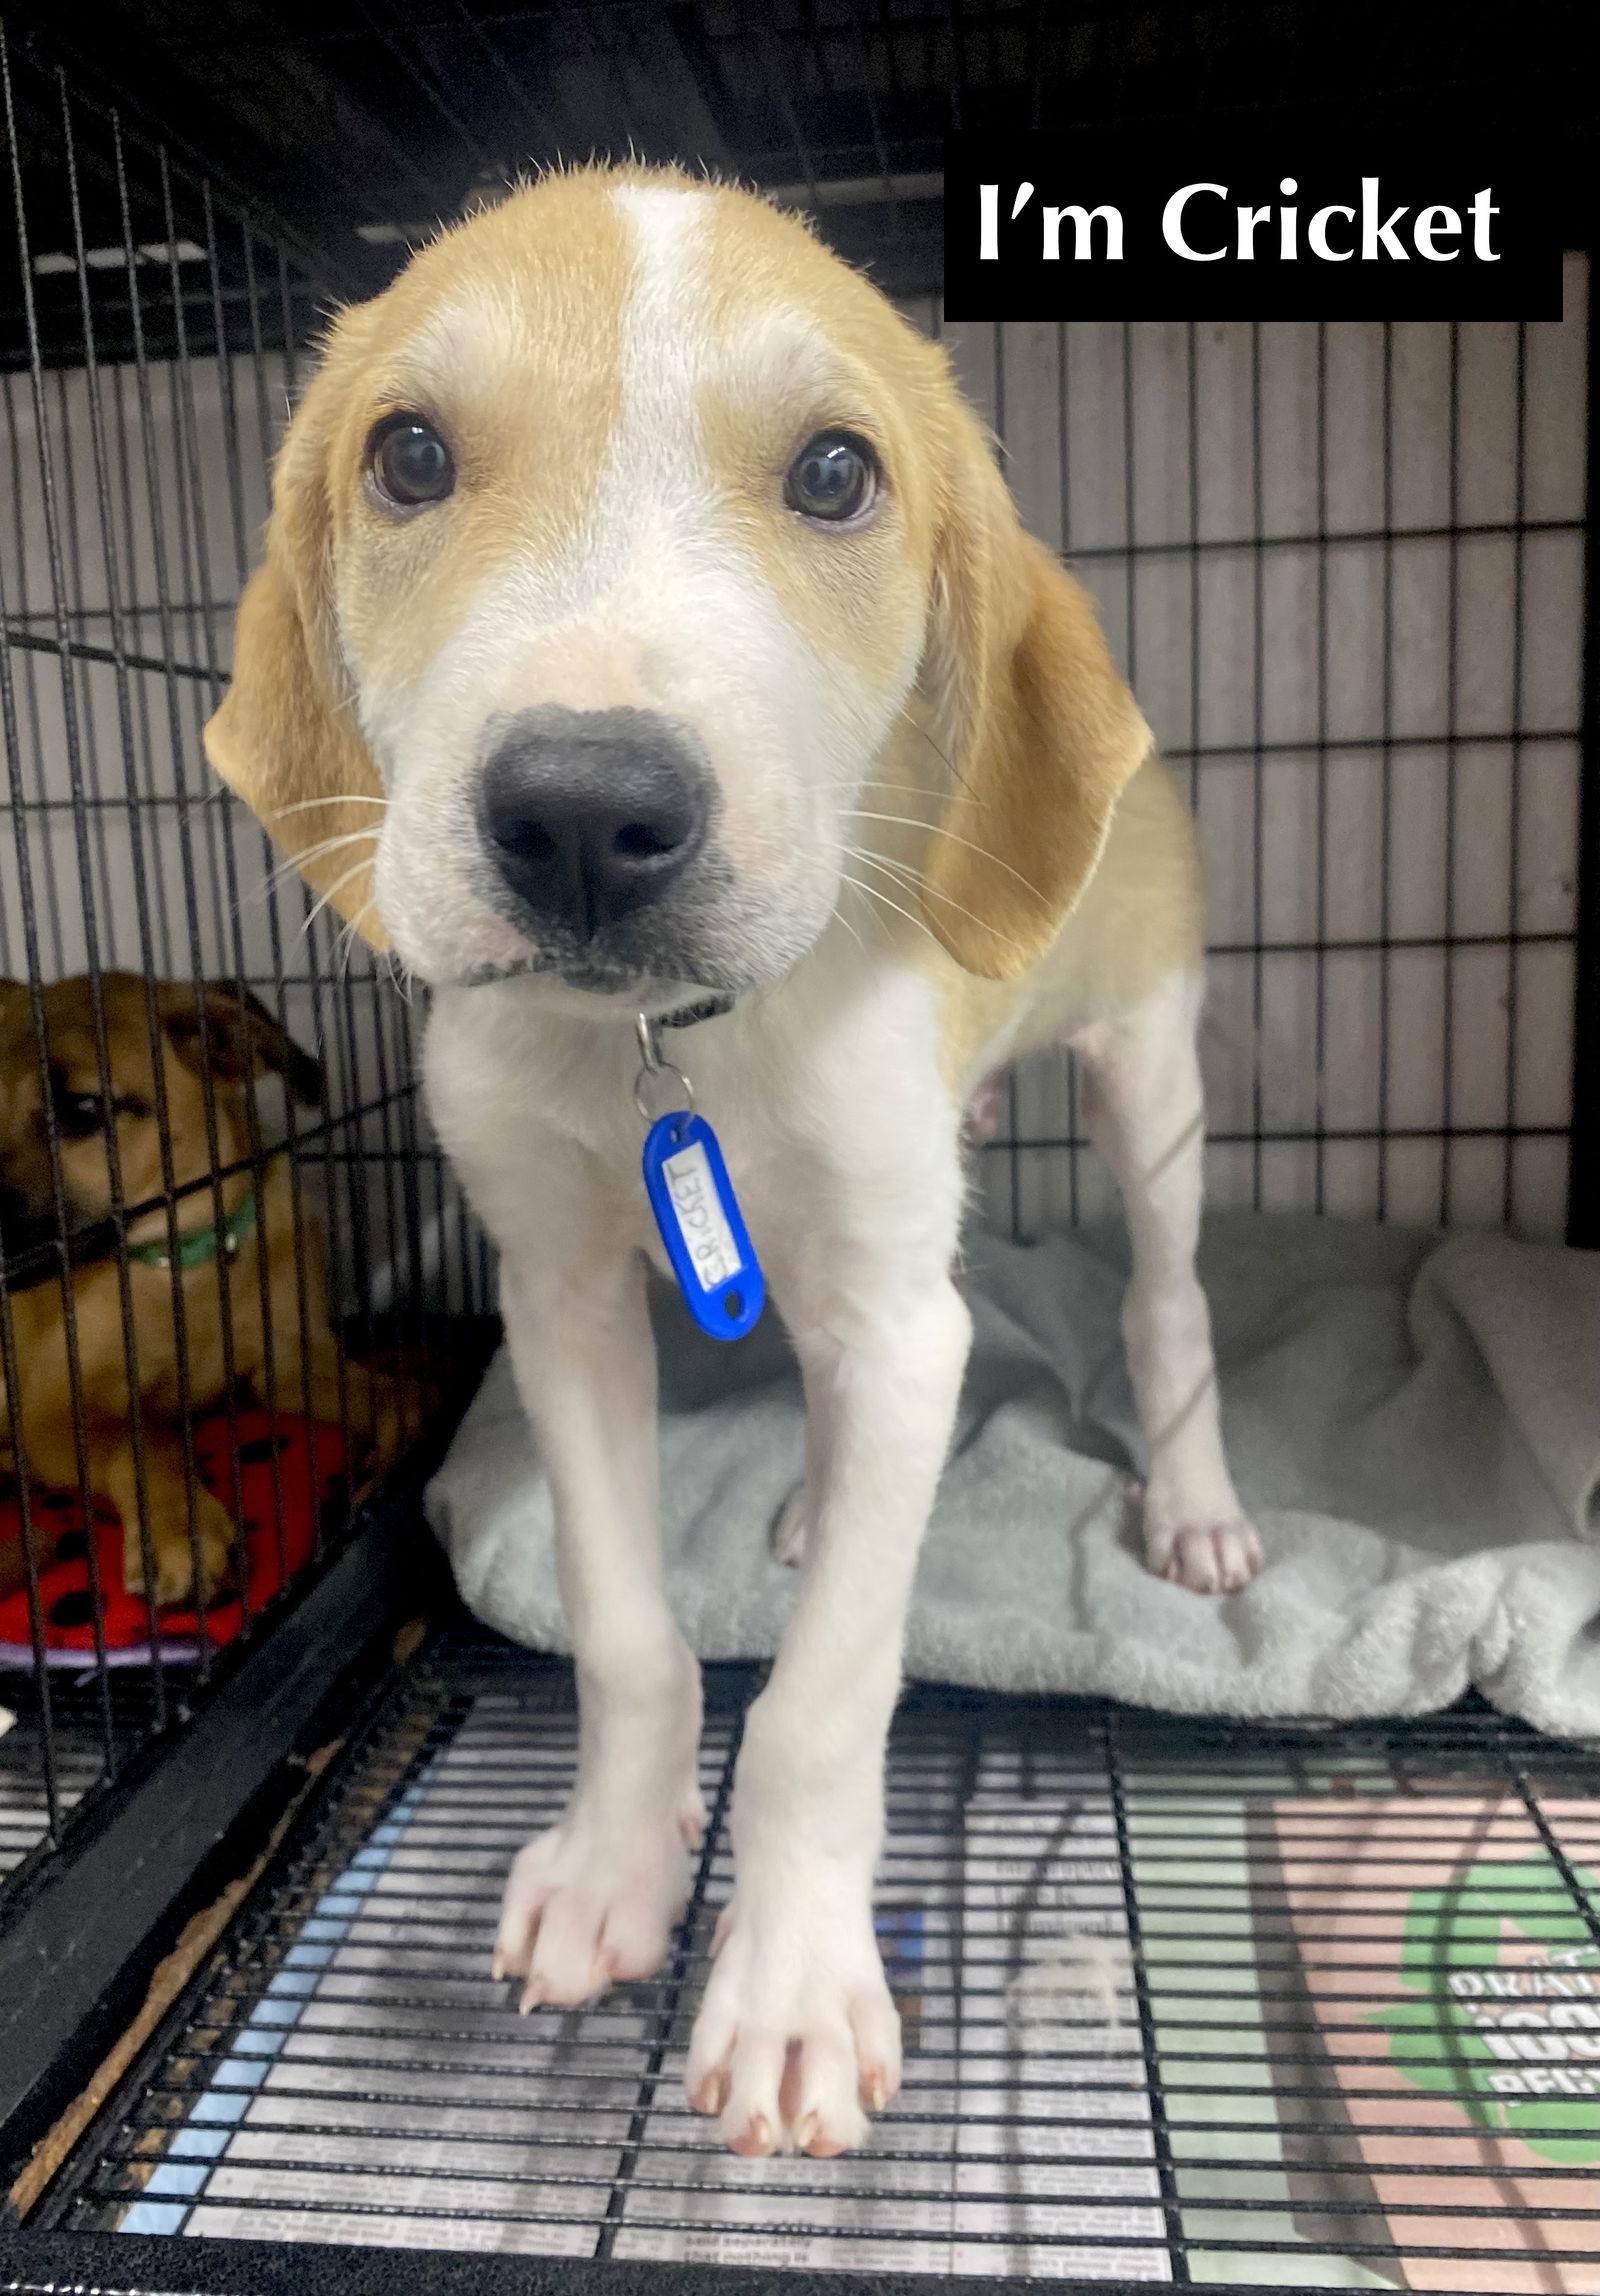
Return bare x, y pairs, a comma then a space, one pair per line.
644, 618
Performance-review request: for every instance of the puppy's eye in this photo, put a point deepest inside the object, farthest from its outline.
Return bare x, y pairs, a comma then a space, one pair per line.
80, 1113
409, 463
834, 477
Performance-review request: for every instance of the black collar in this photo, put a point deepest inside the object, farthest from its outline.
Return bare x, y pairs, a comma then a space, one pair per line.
686, 1016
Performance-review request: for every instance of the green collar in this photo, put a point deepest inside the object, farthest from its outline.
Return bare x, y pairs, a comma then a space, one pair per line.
202, 1245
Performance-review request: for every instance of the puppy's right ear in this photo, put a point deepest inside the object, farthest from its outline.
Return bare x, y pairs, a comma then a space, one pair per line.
285, 736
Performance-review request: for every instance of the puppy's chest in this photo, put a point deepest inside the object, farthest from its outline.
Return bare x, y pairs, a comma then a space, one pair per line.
814, 1113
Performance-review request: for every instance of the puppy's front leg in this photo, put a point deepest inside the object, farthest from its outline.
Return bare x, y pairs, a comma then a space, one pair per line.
797, 2032
596, 1897
161, 1523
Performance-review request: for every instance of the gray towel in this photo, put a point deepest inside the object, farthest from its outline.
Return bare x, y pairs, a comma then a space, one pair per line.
1414, 1423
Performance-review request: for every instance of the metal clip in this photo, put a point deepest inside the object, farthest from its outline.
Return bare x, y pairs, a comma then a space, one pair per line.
651, 1065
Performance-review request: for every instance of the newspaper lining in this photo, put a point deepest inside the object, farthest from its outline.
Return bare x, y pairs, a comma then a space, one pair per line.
381, 2091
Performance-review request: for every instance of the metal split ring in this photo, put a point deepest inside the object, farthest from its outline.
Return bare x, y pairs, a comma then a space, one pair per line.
651, 1065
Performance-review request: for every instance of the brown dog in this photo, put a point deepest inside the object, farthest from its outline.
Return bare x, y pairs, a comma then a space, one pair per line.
215, 1290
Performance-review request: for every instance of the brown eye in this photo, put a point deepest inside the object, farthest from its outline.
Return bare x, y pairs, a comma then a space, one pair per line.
834, 477
409, 463
80, 1114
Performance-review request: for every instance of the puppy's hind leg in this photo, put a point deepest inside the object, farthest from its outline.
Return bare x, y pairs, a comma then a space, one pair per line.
1145, 1114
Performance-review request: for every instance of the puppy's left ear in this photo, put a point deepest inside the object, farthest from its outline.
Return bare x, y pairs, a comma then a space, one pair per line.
1042, 732
234, 1035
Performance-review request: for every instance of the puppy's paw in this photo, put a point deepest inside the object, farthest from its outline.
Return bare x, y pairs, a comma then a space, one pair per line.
797, 2039
173, 1554
1207, 1558
587, 1904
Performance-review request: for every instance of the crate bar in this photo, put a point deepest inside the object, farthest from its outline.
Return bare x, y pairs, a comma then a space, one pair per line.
49, 2263
1583, 1197
83, 856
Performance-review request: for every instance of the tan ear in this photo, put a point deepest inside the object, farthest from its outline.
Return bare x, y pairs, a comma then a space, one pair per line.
285, 737
231, 1034
1042, 731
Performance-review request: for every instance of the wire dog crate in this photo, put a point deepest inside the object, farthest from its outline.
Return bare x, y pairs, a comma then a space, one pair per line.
1346, 568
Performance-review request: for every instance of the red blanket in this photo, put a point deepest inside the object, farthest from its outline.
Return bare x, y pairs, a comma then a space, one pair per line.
283, 1482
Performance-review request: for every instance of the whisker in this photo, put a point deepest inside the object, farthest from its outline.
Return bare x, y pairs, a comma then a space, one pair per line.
873, 893
850, 929
344, 797
912, 881
936, 829
311, 853
911, 878
400, 974
943, 755
337, 886
345, 946
276, 878
323, 846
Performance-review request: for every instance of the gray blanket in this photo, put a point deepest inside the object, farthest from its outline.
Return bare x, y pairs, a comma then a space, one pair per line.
1413, 1422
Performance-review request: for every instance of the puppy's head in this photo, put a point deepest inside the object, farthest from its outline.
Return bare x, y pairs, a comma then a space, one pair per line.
220, 1036
612, 549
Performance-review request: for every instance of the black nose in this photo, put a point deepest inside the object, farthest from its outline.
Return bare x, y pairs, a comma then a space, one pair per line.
592, 814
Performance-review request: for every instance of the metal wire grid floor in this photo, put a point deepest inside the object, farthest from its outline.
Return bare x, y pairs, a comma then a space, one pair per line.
60, 1750
1349, 2034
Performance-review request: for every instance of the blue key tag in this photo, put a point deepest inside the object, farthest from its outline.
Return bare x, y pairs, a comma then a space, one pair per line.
701, 1226
707, 1243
